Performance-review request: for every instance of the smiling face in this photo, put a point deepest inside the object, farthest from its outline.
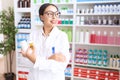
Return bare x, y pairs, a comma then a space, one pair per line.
50, 16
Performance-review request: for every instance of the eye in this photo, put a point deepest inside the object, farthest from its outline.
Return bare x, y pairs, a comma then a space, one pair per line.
57, 14
49, 14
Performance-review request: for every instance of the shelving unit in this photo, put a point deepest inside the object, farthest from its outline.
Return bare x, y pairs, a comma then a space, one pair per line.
81, 19
72, 22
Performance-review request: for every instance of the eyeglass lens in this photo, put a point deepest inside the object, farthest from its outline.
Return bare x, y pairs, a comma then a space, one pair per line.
51, 14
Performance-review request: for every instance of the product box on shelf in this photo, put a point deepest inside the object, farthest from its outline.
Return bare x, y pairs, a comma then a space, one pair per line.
22, 75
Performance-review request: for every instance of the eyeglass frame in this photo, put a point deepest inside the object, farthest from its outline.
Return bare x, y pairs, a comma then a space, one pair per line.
53, 14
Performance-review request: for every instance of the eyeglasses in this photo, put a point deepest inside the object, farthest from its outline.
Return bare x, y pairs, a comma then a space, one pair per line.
51, 14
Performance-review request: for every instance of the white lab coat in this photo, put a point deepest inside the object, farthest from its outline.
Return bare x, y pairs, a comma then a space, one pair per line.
43, 68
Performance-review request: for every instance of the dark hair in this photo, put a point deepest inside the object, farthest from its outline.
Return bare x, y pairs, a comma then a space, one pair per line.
44, 6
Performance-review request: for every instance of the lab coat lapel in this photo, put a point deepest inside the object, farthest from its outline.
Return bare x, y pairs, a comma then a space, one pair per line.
52, 37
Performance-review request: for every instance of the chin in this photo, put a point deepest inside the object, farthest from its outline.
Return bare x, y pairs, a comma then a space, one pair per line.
54, 24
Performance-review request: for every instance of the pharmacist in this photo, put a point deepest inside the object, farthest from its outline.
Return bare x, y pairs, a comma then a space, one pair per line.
49, 50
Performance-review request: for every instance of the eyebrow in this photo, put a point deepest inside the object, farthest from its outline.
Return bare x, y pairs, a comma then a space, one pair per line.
51, 11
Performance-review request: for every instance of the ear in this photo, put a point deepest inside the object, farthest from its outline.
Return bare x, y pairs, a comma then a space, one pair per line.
41, 17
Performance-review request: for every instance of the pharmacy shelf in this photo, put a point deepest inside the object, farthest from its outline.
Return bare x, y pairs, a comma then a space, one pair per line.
23, 10
24, 66
66, 14
99, 14
38, 4
96, 2
81, 78
33, 11
59, 25
99, 26
95, 44
65, 25
85, 12
95, 66
24, 30
67, 76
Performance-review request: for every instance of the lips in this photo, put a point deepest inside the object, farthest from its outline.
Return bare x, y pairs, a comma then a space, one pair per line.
53, 22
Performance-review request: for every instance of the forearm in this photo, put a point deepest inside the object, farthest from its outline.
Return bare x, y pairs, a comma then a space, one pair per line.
32, 58
31, 55
58, 57
49, 64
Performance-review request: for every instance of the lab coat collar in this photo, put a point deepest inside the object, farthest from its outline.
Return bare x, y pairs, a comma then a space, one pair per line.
54, 31
52, 36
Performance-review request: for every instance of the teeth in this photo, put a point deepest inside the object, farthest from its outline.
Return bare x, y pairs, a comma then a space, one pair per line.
53, 21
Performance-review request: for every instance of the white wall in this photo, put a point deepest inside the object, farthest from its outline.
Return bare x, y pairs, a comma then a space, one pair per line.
7, 3
0, 5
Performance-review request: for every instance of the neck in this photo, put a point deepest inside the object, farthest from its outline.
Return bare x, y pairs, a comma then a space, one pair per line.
47, 30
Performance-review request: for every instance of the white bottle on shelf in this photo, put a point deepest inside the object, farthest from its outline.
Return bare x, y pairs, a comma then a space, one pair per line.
95, 8
111, 8
103, 11
81, 36
115, 9
111, 61
118, 8
82, 19
110, 21
104, 20
78, 20
99, 20
99, 10
87, 37
107, 9
118, 61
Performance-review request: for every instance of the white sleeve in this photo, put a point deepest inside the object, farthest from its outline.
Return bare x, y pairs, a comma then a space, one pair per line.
44, 64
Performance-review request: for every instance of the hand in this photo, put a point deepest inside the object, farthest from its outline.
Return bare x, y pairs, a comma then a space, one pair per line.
23, 53
30, 54
58, 57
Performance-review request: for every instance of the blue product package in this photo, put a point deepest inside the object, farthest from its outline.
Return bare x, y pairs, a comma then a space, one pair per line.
53, 50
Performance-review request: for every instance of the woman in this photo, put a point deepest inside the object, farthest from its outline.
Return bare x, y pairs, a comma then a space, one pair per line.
50, 50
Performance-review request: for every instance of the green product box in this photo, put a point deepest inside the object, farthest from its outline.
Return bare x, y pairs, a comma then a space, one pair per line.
50, 1
58, 1
105, 62
71, 21
94, 61
66, 21
69, 32
89, 61
63, 21
66, 1
99, 62
42, 1
35, 1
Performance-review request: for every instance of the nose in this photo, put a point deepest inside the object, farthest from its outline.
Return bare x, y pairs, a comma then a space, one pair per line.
54, 15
